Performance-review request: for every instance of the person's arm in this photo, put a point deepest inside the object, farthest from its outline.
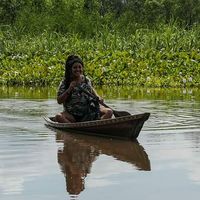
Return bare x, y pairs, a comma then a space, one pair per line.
63, 93
63, 97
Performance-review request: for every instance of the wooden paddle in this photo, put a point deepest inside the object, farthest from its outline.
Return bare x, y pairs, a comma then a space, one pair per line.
115, 112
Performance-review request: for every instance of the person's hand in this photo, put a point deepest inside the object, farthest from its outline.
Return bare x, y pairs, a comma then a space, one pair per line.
72, 85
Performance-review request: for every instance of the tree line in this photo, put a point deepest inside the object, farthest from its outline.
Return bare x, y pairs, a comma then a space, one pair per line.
90, 17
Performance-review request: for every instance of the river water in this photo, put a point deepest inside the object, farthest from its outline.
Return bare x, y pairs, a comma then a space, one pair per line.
39, 163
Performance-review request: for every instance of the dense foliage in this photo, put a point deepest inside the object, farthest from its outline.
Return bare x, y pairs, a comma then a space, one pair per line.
155, 43
88, 16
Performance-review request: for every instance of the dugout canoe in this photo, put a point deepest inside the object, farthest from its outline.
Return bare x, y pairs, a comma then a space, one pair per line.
127, 127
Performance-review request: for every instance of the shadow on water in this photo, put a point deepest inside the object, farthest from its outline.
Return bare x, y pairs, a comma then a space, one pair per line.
79, 152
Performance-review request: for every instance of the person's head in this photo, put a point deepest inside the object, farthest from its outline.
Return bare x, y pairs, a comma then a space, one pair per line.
72, 64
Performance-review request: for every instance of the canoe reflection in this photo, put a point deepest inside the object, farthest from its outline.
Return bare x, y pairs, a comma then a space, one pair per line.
80, 151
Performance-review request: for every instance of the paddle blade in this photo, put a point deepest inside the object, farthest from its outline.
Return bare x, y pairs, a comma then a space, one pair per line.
120, 113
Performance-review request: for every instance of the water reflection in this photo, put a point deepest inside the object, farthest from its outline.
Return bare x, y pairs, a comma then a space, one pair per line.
79, 152
112, 92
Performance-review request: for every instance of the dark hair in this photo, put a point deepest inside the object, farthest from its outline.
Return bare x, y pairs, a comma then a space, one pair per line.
68, 67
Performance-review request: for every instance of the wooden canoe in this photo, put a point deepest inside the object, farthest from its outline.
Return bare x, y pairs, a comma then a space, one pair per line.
127, 127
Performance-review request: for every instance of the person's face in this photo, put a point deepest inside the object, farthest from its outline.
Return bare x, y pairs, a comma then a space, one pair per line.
77, 69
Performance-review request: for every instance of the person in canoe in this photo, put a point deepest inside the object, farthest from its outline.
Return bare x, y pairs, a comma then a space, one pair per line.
78, 105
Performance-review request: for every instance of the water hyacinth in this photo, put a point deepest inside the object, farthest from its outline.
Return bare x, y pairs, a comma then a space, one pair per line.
148, 78
184, 80
133, 60
103, 69
190, 79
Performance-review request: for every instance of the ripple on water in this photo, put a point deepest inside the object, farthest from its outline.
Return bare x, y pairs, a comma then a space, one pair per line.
171, 139
25, 144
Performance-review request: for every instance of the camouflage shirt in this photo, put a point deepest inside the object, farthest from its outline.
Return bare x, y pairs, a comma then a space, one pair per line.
82, 106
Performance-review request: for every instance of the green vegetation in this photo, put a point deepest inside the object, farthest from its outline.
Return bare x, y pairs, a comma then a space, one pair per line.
153, 43
117, 92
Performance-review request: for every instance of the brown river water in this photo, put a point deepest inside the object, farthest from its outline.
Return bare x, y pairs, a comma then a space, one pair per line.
39, 163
